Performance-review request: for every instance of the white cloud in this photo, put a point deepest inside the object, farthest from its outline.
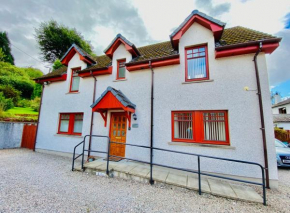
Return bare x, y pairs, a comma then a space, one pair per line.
278, 62
142, 22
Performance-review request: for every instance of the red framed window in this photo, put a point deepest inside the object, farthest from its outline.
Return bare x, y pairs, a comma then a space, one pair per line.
70, 123
196, 63
75, 80
209, 127
121, 69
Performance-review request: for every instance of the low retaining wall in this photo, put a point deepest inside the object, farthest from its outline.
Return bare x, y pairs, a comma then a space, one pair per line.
10, 134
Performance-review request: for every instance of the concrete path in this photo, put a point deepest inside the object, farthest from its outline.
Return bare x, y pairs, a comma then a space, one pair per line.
141, 172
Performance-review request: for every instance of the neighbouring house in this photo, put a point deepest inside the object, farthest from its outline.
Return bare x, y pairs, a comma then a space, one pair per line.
281, 113
199, 104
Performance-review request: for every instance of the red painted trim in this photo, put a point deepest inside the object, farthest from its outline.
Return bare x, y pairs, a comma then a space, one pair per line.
118, 66
109, 101
145, 65
267, 48
71, 53
128, 115
71, 123
104, 71
104, 116
197, 128
216, 29
206, 59
71, 77
52, 79
116, 44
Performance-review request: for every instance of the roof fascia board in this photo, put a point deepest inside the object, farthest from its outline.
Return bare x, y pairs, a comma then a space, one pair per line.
266, 48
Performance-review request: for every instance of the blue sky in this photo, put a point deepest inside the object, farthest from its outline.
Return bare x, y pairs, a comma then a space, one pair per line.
287, 22
284, 87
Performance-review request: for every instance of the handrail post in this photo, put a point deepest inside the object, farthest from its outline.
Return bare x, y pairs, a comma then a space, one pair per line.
264, 187
151, 181
108, 155
73, 163
83, 154
199, 179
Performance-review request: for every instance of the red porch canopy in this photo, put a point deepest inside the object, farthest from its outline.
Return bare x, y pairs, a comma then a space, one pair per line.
112, 99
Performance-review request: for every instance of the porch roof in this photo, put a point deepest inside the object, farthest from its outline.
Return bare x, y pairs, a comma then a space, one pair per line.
113, 99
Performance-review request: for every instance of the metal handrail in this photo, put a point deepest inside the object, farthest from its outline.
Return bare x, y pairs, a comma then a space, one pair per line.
171, 167
83, 151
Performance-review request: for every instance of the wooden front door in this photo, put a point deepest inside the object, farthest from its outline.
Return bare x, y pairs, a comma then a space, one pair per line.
118, 131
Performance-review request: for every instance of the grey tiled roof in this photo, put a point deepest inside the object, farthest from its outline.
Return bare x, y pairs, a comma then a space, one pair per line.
240, 35
102, 62
196, 12
54, 73
287, 101
281, 118
119, 95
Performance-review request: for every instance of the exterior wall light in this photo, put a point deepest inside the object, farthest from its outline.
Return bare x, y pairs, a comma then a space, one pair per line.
134, 116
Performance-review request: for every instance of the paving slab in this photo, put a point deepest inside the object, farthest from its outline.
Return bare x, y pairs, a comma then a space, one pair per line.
125, 167
221, 188
192, 183
178, 180
93, 164
141, 171
246, 193
159, 175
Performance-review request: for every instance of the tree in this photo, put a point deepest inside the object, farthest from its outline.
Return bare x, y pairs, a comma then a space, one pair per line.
57, 64
5, 46
2, 55
55, 39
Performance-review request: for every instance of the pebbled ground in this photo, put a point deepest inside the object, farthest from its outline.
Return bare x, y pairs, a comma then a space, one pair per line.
37, 182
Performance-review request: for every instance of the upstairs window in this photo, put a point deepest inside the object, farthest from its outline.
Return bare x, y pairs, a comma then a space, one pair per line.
75, 80
121, 69
196, 63
282, 110
209, 127
70, 123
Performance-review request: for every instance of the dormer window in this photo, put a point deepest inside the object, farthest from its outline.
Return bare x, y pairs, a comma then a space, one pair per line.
75, 80
196, 64
121, 69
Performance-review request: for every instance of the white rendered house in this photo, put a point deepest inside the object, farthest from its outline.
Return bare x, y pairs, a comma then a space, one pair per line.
199, 106
281, 114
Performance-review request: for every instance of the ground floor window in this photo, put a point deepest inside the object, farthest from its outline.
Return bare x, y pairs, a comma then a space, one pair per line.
200, 127
70, 123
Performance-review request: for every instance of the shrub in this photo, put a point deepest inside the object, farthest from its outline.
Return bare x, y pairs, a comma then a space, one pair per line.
281, 134
5, 104
9, 92
24, 103
25, 86
35, 104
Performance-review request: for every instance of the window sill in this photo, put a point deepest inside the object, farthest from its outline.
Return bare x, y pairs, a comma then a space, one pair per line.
202, 145
198, 81
72, 93
117, 80
66, 135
